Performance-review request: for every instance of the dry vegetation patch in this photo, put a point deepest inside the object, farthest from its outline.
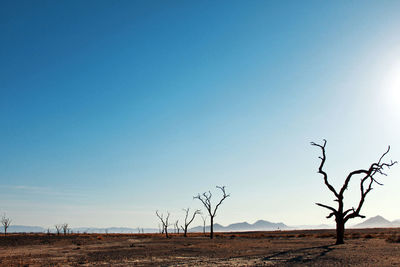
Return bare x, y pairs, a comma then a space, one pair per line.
377, 247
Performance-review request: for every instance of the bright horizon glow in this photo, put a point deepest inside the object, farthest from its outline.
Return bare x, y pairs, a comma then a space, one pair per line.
392, 85
111, 110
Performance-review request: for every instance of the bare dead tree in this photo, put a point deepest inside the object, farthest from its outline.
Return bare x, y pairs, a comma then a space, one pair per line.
64, 227
188, 222
366, 182
58, 228
205, 198
204, 218
177, 226
6, 222
164, 222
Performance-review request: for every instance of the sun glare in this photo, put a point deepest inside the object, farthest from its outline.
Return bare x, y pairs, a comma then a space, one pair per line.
391, 87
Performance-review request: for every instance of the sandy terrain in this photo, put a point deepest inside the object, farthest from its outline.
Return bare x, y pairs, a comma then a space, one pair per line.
367, 247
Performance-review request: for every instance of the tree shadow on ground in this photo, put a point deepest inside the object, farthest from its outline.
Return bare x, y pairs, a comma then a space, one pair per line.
300, 255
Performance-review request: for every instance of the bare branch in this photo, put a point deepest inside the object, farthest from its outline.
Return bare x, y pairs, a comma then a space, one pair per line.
326, 206
321, 166
205, 199
222, 199
369, 176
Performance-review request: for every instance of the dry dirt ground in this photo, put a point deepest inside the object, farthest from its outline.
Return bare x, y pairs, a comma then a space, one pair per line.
367, 247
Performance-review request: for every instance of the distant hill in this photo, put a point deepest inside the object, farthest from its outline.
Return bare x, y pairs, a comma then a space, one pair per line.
113, 230
396, 223
375, 222
24, 229
309, 227
104, 230
38, 229
260, 225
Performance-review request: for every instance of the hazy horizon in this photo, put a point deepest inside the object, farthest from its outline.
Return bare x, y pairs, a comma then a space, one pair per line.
111, 110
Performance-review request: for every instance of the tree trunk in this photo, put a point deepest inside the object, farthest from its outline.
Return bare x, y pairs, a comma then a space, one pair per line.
339, 231
166, 232
212, 228
185, 232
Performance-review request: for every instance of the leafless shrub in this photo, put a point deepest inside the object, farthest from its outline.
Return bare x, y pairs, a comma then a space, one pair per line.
64, 227
176, 226
204, 218
164, 222
6, 222
188, 222
58, 228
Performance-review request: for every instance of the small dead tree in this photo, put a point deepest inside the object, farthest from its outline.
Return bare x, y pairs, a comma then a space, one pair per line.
366, 182
176, 226
58, 228
205, 198
6, 222
204, 218
164, 223
65, 229
187, 223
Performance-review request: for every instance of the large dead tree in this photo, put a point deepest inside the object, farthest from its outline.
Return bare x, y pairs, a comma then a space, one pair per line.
188, 222
164, 222
366, 183
6, 222
205, 198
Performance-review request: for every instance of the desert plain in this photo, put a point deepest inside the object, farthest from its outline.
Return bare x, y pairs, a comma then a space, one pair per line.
363, 247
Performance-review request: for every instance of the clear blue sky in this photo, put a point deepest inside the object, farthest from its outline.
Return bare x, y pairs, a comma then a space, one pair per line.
110, 110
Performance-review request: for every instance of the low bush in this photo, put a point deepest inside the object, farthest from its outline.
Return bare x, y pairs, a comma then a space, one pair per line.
393, 238
325, 235
355, 235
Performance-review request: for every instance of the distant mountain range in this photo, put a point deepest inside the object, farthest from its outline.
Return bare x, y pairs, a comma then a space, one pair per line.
24, 229
260, 225
38, 229
377, 222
